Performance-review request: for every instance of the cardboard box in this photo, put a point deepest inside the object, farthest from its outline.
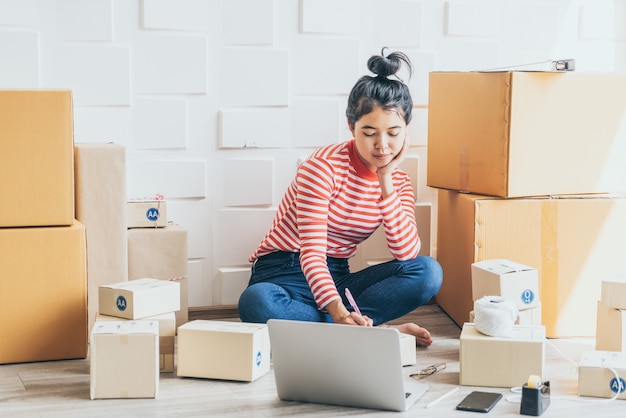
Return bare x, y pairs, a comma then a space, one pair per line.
223, 350
161, 253
140, 298
571, 256
506, 278
124, 359
43, 285
36, 158
408, 350
500, 362
614, 292
610, 329
596, 379
167, 336
521, 134
146, 213
100, 174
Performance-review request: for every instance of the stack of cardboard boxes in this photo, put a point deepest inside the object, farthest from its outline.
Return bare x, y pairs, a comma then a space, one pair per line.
42, 246
523, 162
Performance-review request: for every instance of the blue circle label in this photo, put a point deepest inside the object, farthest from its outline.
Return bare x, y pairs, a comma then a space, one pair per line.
121, 303
258, 358
152, 214
617, 386
528, 296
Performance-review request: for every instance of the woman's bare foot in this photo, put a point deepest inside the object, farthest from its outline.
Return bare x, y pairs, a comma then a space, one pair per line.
422, 336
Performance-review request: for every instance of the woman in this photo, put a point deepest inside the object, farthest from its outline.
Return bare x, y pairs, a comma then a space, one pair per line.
341, 194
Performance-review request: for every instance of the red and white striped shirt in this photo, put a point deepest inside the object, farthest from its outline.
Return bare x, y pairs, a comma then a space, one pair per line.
333, 204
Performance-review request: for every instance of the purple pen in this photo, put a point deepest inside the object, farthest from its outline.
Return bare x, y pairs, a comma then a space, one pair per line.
352, 302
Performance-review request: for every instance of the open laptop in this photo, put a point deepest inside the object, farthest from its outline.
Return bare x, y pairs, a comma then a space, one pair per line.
341, 365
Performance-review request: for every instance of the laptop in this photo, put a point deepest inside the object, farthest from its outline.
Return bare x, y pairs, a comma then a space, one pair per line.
341, 365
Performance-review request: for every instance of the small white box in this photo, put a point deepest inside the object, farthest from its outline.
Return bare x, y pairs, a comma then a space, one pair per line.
146, 213
140, 298
614, 293
499, 361
124, 359
514, 281
610, 329
407, 349
595, 377
223, 350
167, 335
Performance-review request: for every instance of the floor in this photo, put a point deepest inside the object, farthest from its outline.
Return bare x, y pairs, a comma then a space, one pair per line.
61, 388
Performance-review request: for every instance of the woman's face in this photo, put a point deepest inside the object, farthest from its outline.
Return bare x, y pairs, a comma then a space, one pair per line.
379, 136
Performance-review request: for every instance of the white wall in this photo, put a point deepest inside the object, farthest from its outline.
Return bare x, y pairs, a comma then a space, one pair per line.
216, 101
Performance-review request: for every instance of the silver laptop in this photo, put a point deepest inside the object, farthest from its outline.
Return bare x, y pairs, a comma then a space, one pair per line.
341, 365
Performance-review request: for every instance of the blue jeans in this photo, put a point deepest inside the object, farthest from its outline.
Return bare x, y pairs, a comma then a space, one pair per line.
383, 292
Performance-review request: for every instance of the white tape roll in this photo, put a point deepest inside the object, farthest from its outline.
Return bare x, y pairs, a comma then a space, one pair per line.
495, 316
534, 381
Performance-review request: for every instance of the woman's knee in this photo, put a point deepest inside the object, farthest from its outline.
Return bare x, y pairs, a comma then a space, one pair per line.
428, 272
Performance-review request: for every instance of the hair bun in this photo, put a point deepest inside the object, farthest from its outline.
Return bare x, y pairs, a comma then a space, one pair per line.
385, 66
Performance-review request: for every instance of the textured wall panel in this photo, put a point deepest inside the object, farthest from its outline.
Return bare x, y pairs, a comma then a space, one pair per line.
19, 59
345, 16
200, 285
473, 18
232, 281
80, 20
173, 179
20, 12
253, 77
394, 23
238, 233
258, 128
316, 122
254, 27
170, 64
597, 20
535, 26
410, 166
168, 14
248, 182
97, 75
418, 128
103, 124
160, 124
195, 216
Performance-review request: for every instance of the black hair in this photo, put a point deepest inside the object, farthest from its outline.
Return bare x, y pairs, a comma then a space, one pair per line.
379, 90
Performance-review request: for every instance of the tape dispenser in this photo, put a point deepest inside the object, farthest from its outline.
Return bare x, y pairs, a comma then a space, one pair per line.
535, 396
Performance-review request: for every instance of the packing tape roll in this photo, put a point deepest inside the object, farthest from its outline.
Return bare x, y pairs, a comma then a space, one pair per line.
534, 381
495, 316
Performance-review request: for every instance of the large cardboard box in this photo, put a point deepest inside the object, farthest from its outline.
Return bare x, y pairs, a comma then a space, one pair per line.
514, 134
610, 329
500, 361
100, 174
223, 350
595, 377
506, 278
36, 158
44, 293
140, 298
124, 359
573, 242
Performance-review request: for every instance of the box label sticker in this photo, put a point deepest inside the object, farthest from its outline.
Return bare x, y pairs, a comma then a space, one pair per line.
258, 358
617, 386
528, 296
121, 303
152, 214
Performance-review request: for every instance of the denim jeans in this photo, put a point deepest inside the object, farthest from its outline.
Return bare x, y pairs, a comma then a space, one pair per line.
383, 292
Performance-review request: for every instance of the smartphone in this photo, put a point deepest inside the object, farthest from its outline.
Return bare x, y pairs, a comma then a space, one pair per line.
479, 401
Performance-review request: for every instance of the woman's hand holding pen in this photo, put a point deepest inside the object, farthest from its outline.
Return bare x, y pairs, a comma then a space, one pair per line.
341, 315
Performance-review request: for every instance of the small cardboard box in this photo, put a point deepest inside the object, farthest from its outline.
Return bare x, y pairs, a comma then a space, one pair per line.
36, 158
501, 362
610, 329
124, 359
595, 377
223, 350
407, 349
140, 298
520, 133
614, 293
146, 213
514, 281
167, 335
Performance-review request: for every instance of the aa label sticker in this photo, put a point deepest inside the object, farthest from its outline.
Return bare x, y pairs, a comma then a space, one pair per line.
121, 303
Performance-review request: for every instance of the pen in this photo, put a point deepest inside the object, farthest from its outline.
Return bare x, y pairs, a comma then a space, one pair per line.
442, 397
352, 302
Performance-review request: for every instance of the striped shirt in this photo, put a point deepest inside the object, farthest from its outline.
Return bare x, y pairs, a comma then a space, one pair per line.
333, 204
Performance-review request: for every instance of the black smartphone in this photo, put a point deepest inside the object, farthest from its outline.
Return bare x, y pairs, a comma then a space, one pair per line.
479, 401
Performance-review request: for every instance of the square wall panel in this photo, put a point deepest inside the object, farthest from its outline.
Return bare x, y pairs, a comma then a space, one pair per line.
325, 66
103, 124
181, 15
193, 215
238, 232
254, 27
232, 282
596, 20
19, 59
253, 77
170, 64
316, 122
97, 75
395, 23
345, 17
535, 26
257, 128
160, 124
20, 12
199, 284
170, 178
248, 182
410, 166
473, 18
418, 128
80, 20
